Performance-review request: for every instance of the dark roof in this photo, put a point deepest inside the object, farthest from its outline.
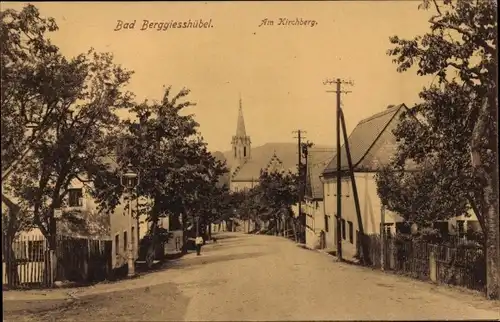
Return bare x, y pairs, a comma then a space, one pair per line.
240, 127
262, 157
363, 138
317, 160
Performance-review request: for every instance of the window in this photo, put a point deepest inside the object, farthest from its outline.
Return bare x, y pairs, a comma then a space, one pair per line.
403, 228
174, 222
117, 244
343, 229
442, 226
124, 240
351, 232
235, 152
245, 151
132, 236
327, 224
388, 230
75, 197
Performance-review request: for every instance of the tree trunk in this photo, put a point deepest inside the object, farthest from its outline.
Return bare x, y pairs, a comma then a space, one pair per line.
294, 227
151, 252
10, 261
184, 234
489, 200
492, 238
51, 255
285, 227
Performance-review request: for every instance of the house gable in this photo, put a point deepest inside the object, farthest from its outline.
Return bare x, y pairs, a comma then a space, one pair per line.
371, 143
275, 164
317, 160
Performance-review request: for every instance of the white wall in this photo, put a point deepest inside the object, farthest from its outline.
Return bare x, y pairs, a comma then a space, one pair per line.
88, 204
236, 186
315, 222
370, 208
329, 212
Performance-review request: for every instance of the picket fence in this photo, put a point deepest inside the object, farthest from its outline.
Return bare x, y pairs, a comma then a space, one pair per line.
457, 264
78, 260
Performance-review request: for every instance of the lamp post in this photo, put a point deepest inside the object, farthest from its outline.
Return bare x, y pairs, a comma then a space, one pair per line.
130, 180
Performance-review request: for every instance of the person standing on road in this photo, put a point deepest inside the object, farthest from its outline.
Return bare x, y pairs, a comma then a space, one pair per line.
198, 242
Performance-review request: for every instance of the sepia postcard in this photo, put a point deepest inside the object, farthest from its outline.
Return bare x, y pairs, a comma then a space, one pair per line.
250, 161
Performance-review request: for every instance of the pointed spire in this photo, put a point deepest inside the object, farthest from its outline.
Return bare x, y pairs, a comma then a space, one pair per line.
240, 128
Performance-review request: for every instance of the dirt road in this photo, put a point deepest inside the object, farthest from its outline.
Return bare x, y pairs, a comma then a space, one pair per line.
245, 277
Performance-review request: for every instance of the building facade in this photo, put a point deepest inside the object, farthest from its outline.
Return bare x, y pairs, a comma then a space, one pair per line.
317, 227
372, 145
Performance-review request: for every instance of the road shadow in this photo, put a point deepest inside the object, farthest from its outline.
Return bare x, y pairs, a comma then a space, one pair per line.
161, 302
222, 247
230, 235
194, 262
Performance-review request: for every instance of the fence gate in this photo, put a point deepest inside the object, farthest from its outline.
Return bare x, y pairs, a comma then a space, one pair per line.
25, 262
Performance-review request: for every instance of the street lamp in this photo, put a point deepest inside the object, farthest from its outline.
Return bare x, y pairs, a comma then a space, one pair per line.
129, 180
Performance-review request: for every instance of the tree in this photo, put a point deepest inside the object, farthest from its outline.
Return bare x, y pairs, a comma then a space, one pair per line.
217, 201
72, 102
452, 135
76, 143
15, 219
28, 74
275, 195
176, 170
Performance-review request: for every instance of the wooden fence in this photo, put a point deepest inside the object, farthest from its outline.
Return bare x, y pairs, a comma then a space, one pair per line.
458, 264
78, 260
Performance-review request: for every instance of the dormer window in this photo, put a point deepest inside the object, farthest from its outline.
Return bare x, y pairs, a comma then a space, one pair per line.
75, 197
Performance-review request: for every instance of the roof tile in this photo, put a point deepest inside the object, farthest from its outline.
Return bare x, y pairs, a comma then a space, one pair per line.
317, 160
363, 137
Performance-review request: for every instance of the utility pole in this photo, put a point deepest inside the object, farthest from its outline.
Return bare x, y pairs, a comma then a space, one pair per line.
338, 216
382, 237
361, 238
299, 138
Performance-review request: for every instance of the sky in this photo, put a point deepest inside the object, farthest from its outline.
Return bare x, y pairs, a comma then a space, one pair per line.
277, 70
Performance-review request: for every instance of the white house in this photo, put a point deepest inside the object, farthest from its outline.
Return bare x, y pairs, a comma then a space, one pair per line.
372, 144
317, 225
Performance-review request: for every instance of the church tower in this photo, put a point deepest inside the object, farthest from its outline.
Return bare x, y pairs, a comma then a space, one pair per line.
241, 144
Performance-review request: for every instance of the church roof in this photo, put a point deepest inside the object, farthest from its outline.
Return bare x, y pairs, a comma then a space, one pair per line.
240, 127
286, 154
269, 154
363, 138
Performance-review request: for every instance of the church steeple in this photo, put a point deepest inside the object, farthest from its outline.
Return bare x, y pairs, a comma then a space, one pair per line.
241, 143
240, 127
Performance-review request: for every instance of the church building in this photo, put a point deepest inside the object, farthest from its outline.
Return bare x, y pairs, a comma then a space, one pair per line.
245, 162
